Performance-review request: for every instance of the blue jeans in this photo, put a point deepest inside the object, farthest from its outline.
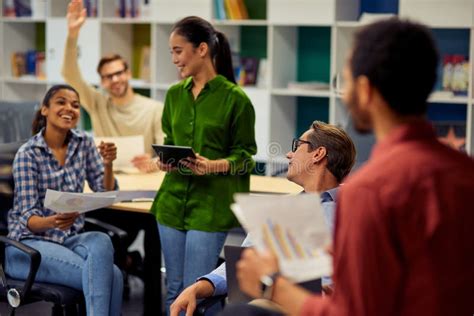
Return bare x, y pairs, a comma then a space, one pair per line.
84, 262
188, 255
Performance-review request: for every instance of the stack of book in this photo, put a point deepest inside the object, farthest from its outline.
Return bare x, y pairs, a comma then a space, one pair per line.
248, 71
29, 63
91, 7
37, 8
231, 10
24, 8
128, 8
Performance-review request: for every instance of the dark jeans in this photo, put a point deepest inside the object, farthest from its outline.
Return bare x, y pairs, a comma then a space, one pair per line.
132, 223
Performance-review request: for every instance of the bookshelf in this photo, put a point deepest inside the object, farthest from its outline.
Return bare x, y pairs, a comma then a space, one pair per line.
300, 41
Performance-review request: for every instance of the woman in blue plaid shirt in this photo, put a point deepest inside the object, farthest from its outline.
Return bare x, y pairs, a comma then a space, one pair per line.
60, 158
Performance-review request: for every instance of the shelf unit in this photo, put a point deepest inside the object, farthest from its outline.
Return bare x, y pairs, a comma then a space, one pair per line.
304, 40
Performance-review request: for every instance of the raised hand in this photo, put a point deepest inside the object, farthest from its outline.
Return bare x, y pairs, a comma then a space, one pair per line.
108, 152
76, 16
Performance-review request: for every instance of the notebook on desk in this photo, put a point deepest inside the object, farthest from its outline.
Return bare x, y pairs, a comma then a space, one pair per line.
234, 294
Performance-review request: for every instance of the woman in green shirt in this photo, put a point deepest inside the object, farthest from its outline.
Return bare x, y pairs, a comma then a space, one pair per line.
210, 113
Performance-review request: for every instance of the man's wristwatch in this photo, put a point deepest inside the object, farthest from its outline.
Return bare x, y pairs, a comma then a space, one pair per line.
267, 281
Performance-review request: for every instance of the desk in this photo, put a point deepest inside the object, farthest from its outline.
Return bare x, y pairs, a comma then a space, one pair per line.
152, 181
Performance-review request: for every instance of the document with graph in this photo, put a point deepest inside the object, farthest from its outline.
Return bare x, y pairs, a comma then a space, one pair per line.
69, 202
293, 227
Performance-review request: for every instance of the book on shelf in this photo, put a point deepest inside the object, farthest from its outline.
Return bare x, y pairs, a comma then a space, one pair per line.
244, 14
248, 71
127, 8
233, 9
18, 63
30, 57
22, 8
229, 13
9, 8
120, 8
25, 8
91, 7
30, 63
40, 65
220, 10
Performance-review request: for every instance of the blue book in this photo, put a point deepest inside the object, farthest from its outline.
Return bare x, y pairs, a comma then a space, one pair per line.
22, 7
220, 10
121, 8
87, 6
31, 62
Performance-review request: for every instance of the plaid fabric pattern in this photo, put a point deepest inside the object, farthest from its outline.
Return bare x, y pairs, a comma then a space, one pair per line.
35, 169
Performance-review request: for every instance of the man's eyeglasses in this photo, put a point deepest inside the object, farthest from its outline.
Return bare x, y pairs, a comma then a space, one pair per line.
297, 143
111, 76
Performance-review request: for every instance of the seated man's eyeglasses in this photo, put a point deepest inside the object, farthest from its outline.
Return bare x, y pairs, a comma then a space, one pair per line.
297, 143
111, 76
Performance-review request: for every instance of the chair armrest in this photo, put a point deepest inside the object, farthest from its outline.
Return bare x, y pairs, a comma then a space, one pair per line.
111, 230
207, 303
35, 260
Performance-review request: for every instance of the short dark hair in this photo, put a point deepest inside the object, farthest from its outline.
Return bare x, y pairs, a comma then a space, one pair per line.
110, 58
340, 149
400, 59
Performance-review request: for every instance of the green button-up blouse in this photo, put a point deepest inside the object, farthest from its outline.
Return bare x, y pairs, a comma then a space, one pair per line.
218, 124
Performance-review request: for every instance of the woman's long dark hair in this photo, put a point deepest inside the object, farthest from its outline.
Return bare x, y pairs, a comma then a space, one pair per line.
40, 121
197, 30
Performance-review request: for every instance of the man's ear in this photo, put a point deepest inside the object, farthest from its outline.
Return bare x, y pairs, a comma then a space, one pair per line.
364, 91
319, 154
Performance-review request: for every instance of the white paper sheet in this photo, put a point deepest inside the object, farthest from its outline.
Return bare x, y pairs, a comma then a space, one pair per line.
68, 202
293, 227
127, 148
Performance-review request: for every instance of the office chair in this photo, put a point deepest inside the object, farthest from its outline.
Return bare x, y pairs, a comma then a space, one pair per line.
66, 301
15, 120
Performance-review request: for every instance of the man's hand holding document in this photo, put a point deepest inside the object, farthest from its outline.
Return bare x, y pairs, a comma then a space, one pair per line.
128, 149
293, 228
69, 202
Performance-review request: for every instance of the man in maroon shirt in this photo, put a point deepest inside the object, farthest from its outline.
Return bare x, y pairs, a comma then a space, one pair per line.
404, 242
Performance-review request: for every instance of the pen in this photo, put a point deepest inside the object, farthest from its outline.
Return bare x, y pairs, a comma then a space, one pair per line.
139, 200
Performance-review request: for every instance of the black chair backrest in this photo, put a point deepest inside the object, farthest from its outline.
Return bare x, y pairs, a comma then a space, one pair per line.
15, 120
7, 155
